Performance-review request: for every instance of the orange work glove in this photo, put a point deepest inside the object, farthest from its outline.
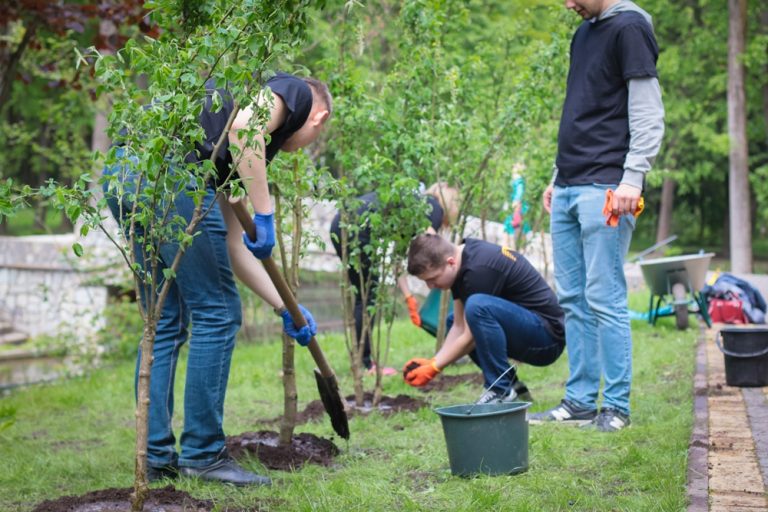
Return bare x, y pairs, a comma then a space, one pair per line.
418, 371
613, 220
413, 310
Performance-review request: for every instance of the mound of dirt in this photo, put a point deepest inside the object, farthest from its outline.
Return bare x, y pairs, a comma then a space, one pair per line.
304, 448
166, 499
315, 411
387, 405
446, 382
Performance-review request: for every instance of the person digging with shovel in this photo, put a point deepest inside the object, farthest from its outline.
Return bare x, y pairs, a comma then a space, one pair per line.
503, 309
203, 304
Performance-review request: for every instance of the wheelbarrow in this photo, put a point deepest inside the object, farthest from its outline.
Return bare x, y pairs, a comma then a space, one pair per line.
681, 277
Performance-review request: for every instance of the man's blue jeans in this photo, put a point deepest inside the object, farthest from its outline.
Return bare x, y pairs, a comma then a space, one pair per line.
589, 277
503, 330
203, 294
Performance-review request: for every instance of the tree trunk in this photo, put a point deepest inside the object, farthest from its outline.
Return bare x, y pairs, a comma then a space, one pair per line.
140, 484
664, 227
290, 396
738, 176
8, 73
291, 272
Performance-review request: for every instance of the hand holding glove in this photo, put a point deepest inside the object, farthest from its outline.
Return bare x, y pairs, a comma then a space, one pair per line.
612, 219
413, 310
418, 371
303, 335
265, 236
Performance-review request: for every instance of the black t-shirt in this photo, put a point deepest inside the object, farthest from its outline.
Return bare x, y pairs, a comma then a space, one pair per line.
593, 140
493, 270
370, 202
297, 96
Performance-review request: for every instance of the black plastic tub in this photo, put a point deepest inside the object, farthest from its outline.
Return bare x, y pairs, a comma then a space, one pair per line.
746, 355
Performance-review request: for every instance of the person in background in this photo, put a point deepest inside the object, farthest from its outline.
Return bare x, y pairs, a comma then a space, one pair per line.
503, 308
516, 226
443, 203
611, 129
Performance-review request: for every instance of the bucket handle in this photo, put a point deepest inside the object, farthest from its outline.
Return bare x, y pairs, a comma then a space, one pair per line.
738, 354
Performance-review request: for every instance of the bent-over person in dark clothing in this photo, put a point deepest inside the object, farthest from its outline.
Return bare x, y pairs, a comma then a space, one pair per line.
503, 309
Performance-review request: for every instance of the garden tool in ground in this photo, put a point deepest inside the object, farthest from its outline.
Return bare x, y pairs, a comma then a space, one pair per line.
326, 379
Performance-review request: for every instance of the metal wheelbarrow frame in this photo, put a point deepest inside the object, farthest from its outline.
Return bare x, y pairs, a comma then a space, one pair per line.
678, 276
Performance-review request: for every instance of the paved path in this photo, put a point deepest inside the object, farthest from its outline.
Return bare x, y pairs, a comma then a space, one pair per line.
728, 454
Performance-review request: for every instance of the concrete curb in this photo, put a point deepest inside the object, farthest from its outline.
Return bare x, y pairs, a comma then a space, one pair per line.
698, 449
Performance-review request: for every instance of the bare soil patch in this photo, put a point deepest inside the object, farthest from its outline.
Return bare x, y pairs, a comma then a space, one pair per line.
264, 445
387, 405
315, 411
166, 499
447, 382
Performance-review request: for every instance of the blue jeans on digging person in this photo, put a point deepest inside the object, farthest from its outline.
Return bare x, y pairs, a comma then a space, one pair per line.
204, 295
589, 277
503, 330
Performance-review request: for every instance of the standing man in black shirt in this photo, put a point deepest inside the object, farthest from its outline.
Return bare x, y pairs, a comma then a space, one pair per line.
503, 309
610, 133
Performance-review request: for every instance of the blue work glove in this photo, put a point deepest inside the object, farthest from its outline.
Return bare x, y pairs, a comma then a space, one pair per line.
265, 236
303, 335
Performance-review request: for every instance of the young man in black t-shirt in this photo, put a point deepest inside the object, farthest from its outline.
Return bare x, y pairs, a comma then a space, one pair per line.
203, 305
503, 309
300, 108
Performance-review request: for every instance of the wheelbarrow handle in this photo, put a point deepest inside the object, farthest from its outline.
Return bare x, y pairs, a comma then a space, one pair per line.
289, 301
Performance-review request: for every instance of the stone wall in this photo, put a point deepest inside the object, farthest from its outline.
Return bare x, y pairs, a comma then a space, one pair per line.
44, 290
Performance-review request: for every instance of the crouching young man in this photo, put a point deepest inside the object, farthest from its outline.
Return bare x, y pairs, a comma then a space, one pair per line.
502, 309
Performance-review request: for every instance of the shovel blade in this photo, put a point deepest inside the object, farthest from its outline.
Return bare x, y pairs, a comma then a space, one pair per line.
333, 403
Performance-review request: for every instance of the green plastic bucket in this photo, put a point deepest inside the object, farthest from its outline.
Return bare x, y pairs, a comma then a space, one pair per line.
491, 440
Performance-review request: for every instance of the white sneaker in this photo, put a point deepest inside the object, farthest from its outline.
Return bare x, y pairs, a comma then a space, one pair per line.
494, 397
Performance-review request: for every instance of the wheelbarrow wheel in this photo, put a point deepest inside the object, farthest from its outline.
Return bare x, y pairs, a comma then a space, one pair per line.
681, 306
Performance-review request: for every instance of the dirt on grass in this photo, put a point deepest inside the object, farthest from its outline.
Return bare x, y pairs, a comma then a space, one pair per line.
264, 445
447, 382
387, 405
315, 411
166, 499
308, 448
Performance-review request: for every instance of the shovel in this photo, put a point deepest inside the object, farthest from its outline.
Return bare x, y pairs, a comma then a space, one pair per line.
326, 379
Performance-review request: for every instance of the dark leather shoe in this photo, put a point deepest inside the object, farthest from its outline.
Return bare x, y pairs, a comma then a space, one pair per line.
227, 471
156, 473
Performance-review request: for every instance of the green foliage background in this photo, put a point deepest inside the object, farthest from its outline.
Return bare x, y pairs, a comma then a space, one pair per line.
423, 87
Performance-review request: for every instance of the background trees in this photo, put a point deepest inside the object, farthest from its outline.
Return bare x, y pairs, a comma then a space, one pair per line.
483, 49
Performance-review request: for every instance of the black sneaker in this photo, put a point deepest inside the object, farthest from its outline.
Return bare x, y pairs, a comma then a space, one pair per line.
157, 473
566, 412
227, 471
522, 391
609, 420
497, 397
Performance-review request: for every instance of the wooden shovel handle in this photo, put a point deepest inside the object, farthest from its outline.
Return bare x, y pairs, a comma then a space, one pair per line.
289, 301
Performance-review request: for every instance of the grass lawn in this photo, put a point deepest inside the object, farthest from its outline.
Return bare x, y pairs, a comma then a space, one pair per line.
77, 436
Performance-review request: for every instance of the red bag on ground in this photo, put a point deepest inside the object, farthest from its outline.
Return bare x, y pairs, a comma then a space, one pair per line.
726, 311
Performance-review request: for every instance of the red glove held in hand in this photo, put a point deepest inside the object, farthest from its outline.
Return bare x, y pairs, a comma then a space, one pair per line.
413, 310
418, 371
